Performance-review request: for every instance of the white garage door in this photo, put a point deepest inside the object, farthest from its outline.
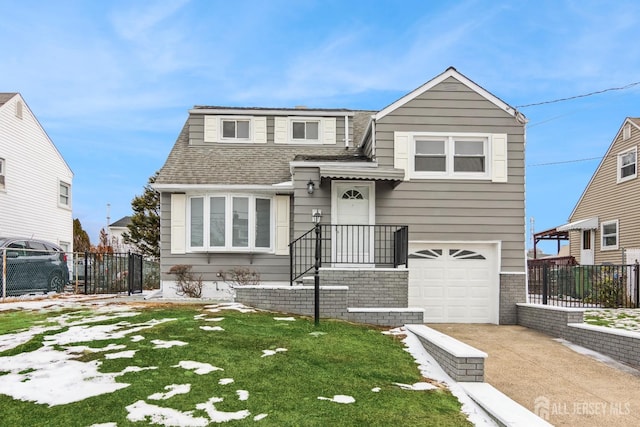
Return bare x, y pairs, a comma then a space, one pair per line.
456, 283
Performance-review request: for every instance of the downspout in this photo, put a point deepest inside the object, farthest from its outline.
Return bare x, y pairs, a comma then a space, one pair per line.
373, 137
346, 131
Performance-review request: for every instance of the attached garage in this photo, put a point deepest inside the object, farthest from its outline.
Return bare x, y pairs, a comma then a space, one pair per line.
455, 282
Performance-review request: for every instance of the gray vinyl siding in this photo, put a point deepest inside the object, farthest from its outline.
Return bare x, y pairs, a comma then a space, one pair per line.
196, 132
305, 203
271, 267
456, 210
609, 200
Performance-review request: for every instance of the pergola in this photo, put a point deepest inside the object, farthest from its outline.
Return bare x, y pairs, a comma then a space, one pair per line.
550, 234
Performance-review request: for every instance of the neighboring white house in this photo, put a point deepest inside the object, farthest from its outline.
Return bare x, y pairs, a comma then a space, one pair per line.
35, 180
115, 235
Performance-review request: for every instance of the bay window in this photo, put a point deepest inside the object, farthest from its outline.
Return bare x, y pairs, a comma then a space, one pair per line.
233, 222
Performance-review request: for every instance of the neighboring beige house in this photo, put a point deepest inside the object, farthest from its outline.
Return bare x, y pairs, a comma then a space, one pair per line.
604, 227
35, 181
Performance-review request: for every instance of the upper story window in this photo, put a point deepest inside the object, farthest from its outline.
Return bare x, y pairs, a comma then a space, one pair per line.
229, 222
609, 232
627, 165
64, 195
305, 130
443, 156
235, 129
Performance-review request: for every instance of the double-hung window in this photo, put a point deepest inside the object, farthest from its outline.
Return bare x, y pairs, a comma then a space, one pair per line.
235, 129
627, 161
64, 195
305, 130
609, 231
229, 222
2, 173
450, 156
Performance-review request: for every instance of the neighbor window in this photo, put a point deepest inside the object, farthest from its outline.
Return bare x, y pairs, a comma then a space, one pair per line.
627, 165
609, 231
235, 129
305, 130
233, 222
450, 156
64, 198
2, 173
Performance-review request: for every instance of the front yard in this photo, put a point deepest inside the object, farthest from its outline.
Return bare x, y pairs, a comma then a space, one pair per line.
99, 364
619, 318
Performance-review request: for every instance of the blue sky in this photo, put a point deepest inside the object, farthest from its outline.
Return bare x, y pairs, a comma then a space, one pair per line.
112, 81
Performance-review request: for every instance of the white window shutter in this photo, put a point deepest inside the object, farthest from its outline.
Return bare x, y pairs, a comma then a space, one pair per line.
280, 130
260, 130
178, 222
211, 128
282, 225
401, 152
329, 130
499, 157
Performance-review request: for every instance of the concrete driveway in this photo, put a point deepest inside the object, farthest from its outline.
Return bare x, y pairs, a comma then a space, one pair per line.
551, 379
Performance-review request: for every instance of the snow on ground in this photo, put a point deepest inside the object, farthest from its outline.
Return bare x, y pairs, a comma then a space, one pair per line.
266, 353
216, 308
211, 328
285, 319
197, 367
338, 398
54, 377
618, 318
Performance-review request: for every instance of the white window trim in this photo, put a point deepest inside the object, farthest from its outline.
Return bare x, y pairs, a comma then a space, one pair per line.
251, 248
222, 119
619, 165
318, 120
68, 195
602, 235
2, 173
449, 153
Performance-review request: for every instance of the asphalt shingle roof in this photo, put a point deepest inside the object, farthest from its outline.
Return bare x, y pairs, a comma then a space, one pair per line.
5, 96
249, 164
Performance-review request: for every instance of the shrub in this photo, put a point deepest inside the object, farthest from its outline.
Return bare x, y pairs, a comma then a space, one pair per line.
240, 276
186, 282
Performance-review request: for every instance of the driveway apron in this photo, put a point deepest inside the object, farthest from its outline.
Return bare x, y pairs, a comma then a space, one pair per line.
551, 379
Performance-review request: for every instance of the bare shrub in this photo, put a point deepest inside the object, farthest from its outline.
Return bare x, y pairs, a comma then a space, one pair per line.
240, 276
186, 282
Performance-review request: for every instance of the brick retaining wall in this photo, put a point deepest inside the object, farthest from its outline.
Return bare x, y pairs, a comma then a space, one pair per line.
513, 290
568, 323
370, 287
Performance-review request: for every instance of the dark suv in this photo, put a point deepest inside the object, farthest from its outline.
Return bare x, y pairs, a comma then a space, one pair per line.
32, 266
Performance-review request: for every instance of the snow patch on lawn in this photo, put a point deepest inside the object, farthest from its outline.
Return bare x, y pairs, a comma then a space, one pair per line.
242, 395
197, 367
416, 386
220, 416
129, 354
172, 390
285, 319
225, 381
266, 353
339, 398
168, 344
229, 306
142, 411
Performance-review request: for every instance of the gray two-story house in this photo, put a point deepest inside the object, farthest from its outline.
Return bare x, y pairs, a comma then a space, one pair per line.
432, 184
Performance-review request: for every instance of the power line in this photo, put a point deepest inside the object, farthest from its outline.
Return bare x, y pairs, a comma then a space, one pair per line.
580, 96
567, 161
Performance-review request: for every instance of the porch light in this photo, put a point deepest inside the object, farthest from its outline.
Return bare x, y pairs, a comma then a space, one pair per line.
310, 187
316, 216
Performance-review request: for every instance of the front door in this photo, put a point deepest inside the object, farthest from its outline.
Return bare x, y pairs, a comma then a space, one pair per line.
352, 220
586, 250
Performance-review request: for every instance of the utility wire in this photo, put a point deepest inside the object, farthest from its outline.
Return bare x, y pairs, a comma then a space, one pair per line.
567, 161
580, 96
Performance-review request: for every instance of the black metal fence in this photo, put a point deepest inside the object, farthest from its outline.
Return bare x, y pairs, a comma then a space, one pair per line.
96, 273
374, 245
604, 286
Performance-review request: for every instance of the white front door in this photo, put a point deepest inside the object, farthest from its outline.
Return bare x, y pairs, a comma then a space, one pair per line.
352, 214
586, 248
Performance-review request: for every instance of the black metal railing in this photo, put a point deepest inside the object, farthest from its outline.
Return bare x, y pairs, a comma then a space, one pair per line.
103, 273
585, 285
340, 245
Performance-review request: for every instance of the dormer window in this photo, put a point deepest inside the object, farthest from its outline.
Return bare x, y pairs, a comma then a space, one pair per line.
627, 165
305, 130
235, 129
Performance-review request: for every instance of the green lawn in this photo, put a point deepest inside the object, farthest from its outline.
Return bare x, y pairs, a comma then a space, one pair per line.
263, 369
